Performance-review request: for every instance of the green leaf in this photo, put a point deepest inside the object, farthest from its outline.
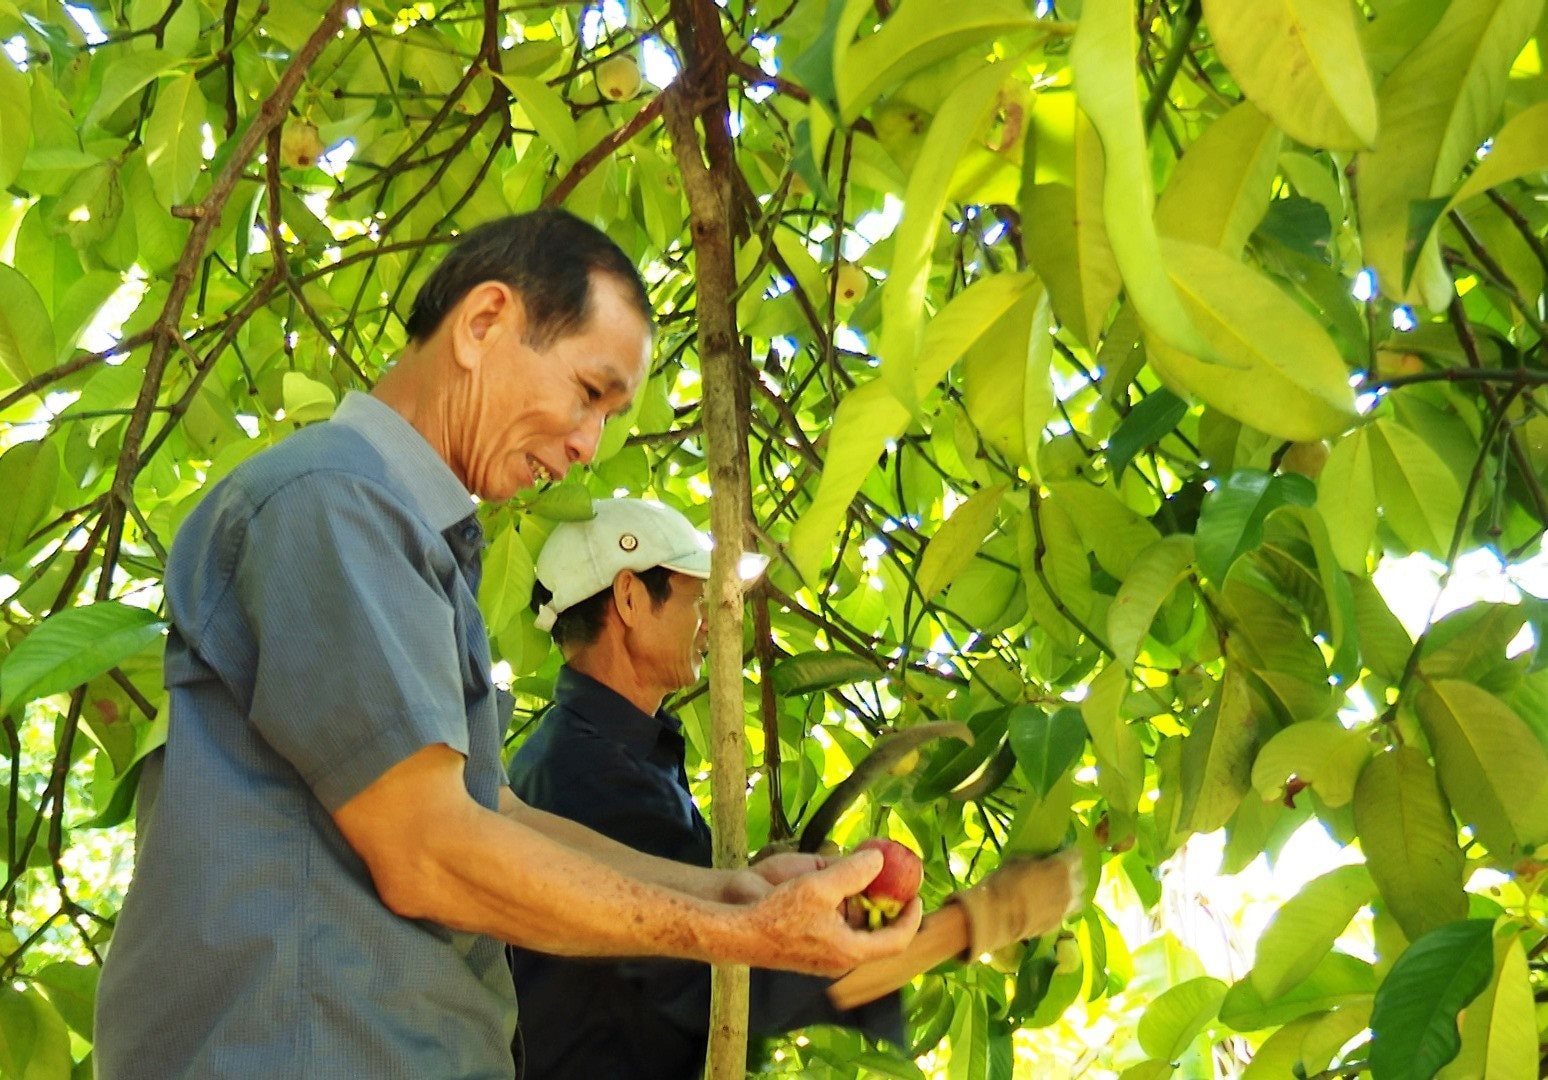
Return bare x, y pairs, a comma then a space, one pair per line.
1307, 1046
15, 123
1157, 571
1410, 841
26, 334
1231, 521
1346, 498
1322, 754
904, 297
1336, 589
870, 415
1519, 150
1300, 61
1154, 418
34, 1043
1339, 980
1119, 756
126, 76
1420, 498
1290, 382
1217, 757
174, 139
565, 501
958, 540
29, 475
548, 112
1414, 1024
1103, 59
73, 990
1108, 528
1304, 929
1492, 766
969, 1036
1221, 188
305, 399
916, 35
1069, 248
72, 647
506, 587
1499, 1029
808, 672
1045, 745
1437, 107
1172, 1021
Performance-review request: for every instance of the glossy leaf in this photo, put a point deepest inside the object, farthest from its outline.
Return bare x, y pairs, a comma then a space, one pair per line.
73, 646
806, 673
1046, 744
1217, 756
34, 1043
29, 474
1414, 1024
1499, 1028
1420, 496
1231, 522
26, 334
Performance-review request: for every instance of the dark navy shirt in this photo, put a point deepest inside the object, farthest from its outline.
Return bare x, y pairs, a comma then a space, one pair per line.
597, 759
323, 628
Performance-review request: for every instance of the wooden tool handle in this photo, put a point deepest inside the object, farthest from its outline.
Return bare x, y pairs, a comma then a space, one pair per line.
942, 935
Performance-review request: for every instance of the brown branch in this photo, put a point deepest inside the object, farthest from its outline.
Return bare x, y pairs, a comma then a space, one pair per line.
606, 148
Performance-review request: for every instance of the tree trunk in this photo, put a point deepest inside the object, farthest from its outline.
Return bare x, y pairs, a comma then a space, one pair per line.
701, 95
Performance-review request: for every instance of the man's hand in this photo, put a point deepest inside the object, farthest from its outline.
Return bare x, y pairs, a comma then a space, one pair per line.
1021, 899
802, 924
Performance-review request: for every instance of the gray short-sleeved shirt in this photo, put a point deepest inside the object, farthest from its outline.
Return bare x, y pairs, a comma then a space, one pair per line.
324, 628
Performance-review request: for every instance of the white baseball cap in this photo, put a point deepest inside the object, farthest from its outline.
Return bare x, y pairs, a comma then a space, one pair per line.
581, 558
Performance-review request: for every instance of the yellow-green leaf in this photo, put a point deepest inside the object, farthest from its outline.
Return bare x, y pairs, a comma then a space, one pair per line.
1346, 498
1323, 754
1493, 767
1220, 189
1410, 841
15, 123
958, 540
1285, 378
1217, 756
903, 299
1499, 1029
1172, 1021
1300, 61
1105, 80
1437, 106
1120, 757
173, 139
26, 334
916, 35
1066, 238
549, 113
1154, 575
1304, 929
1420, 498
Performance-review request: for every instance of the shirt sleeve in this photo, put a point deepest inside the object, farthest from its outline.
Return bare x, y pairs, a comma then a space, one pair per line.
357, 664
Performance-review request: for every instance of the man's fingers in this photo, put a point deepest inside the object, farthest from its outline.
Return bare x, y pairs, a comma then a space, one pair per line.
851, 874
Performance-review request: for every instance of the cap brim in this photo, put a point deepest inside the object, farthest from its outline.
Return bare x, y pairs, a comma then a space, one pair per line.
749, 567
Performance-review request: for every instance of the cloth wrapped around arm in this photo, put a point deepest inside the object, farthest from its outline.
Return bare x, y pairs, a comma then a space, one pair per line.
1023, 898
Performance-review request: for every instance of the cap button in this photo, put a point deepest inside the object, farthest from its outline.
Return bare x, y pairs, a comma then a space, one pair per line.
628, 541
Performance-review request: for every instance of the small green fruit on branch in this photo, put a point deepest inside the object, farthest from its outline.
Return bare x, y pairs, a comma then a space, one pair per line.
618, 77
897, 883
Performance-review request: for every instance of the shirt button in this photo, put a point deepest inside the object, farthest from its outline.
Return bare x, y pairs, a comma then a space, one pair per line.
470, 533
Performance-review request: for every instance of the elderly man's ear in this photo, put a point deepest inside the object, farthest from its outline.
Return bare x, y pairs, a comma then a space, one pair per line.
487, 312
629, 597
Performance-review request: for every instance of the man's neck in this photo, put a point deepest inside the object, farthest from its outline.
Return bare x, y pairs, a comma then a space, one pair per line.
613, 670
411, 389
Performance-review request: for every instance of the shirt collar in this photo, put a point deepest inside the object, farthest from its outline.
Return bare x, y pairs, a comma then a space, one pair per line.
611, 712
441, 498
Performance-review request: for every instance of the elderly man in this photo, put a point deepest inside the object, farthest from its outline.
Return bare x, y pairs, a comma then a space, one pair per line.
330, 861
622, 595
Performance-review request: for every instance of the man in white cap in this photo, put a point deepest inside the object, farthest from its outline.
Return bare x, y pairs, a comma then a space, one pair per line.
622, 594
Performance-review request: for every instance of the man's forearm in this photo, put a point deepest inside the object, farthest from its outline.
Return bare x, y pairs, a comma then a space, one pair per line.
681, 877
